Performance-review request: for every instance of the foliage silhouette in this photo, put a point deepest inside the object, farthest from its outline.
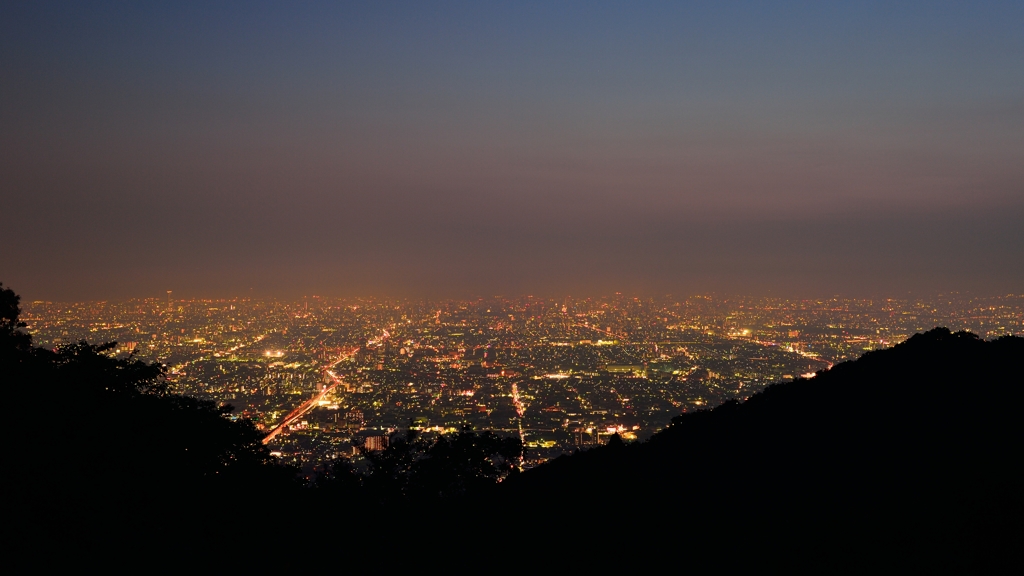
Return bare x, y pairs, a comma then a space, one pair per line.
390, 469
12, 339
411, 469
907, 459
615, 441
465, 463
338, 479
112, 432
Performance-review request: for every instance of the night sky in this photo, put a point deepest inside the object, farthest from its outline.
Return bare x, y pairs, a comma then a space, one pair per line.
457, 149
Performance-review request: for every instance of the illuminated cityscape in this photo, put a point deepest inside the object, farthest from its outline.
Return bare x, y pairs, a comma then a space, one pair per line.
323, 376
724, 284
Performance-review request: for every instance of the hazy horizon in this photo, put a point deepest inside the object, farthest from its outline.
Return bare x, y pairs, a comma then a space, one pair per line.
419, 298
458, 149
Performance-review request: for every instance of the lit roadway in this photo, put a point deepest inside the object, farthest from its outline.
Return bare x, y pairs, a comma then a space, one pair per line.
313, 402
595, 328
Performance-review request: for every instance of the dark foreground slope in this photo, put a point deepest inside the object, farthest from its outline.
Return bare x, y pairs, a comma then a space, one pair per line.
93, 437
908, 455
907, 459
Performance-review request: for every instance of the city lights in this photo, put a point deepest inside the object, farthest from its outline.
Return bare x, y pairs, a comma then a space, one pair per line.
320, 379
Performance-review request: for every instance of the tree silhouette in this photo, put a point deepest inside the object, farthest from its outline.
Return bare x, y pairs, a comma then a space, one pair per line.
339, 479
411, 469
390, 469
615, 441
110, 428
12, 339
465, 463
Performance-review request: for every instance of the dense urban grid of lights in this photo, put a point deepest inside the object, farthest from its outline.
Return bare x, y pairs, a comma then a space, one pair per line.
323, 375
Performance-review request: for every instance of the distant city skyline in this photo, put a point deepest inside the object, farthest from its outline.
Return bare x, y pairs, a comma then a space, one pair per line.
457, 149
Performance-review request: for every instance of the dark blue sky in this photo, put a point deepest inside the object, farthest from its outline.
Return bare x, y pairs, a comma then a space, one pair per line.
483, 148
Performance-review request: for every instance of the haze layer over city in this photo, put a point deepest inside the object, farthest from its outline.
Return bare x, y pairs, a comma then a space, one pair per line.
414, 150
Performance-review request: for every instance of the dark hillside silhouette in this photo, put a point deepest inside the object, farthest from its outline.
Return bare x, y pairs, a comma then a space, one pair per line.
102, 441
12, 339
908, 459
909, 455
88, 429
414, 471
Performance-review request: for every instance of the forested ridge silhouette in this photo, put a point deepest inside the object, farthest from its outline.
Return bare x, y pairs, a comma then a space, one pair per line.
101, 439
92, 429
907, 457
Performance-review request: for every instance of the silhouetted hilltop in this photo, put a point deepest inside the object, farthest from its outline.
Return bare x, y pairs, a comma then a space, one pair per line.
912, 451
907, 459
92, 431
